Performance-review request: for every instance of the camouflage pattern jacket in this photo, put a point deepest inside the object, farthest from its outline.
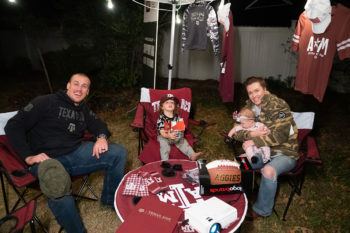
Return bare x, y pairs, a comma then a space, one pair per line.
276, 115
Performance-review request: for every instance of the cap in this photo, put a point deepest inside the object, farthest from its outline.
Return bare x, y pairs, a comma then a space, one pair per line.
319, 13
169, 97
54, 180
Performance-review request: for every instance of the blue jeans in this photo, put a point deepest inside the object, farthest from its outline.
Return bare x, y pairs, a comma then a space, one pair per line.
267, 191
259, 163
80, 162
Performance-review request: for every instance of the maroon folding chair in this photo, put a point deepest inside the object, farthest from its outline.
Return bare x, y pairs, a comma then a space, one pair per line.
16, 221
145, 122
308, 155
15, 170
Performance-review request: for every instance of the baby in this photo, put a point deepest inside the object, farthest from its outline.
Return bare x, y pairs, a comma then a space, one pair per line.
256, 156
171, 129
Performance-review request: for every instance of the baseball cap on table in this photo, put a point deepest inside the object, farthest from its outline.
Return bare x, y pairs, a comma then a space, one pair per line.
54, 180
319, 13
169, 97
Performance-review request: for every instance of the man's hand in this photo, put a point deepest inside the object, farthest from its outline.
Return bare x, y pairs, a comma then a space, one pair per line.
30, 160
101, 146
247, 144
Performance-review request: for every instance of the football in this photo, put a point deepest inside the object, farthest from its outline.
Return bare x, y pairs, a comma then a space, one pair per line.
224, 172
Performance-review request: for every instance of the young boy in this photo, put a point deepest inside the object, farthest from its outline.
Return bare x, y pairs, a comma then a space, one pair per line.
256, 156
171, 129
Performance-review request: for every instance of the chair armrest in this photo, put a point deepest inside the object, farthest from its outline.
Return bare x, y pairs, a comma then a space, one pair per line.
138, 122
136, 127
313, 154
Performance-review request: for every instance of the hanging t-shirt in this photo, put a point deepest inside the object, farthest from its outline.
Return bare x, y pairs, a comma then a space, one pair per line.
199, 21
226, 65
316, 51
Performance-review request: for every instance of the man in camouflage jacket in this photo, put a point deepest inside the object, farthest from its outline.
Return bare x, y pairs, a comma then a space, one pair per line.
281, 137
277, 117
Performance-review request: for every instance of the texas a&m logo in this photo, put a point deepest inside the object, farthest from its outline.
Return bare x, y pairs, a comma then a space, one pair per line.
182, 197
317, 47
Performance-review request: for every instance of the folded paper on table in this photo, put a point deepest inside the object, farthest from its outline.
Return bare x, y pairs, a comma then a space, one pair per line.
159, 217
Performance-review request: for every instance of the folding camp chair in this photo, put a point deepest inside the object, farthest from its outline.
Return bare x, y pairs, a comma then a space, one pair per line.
15, 222
308, 155
15, 170
145, 122
17, 176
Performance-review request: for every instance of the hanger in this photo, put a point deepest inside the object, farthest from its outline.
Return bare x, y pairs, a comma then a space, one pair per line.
253, 5
202, 1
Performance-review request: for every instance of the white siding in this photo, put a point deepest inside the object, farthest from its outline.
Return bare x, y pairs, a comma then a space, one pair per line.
258, 51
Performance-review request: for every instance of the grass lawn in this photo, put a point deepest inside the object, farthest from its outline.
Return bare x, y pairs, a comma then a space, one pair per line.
324, 203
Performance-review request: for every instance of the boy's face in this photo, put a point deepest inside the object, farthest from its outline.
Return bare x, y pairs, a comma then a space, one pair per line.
168, 106
247, 123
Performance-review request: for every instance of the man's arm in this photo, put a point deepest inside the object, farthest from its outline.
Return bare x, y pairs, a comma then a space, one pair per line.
99, 128
279, 127
95, 125
18, 126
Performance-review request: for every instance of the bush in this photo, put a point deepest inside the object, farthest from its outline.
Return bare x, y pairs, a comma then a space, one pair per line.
62, 64
21, 65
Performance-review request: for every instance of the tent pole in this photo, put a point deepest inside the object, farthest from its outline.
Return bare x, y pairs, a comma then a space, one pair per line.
172, 35
156, 53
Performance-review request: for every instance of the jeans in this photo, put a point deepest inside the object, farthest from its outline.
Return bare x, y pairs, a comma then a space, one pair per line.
267, 191
259, 161
81, 162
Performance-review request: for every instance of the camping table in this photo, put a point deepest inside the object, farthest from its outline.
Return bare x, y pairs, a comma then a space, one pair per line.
179, 194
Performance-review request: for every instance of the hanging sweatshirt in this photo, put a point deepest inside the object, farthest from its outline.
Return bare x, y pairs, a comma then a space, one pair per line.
52, 124
199, 21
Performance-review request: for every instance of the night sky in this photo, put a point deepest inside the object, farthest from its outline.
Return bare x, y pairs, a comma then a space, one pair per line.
264, 14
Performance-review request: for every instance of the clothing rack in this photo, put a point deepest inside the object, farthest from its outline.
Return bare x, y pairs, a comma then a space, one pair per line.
174, 4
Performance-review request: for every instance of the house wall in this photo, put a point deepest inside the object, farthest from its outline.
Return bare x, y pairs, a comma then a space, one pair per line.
259, 51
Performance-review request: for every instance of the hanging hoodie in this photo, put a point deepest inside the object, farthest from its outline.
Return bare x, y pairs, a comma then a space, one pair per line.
199, 21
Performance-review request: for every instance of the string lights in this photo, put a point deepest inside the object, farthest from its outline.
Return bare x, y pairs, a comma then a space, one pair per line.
178, 18
110, 4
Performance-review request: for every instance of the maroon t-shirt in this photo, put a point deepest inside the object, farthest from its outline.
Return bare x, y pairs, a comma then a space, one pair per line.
316, 51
